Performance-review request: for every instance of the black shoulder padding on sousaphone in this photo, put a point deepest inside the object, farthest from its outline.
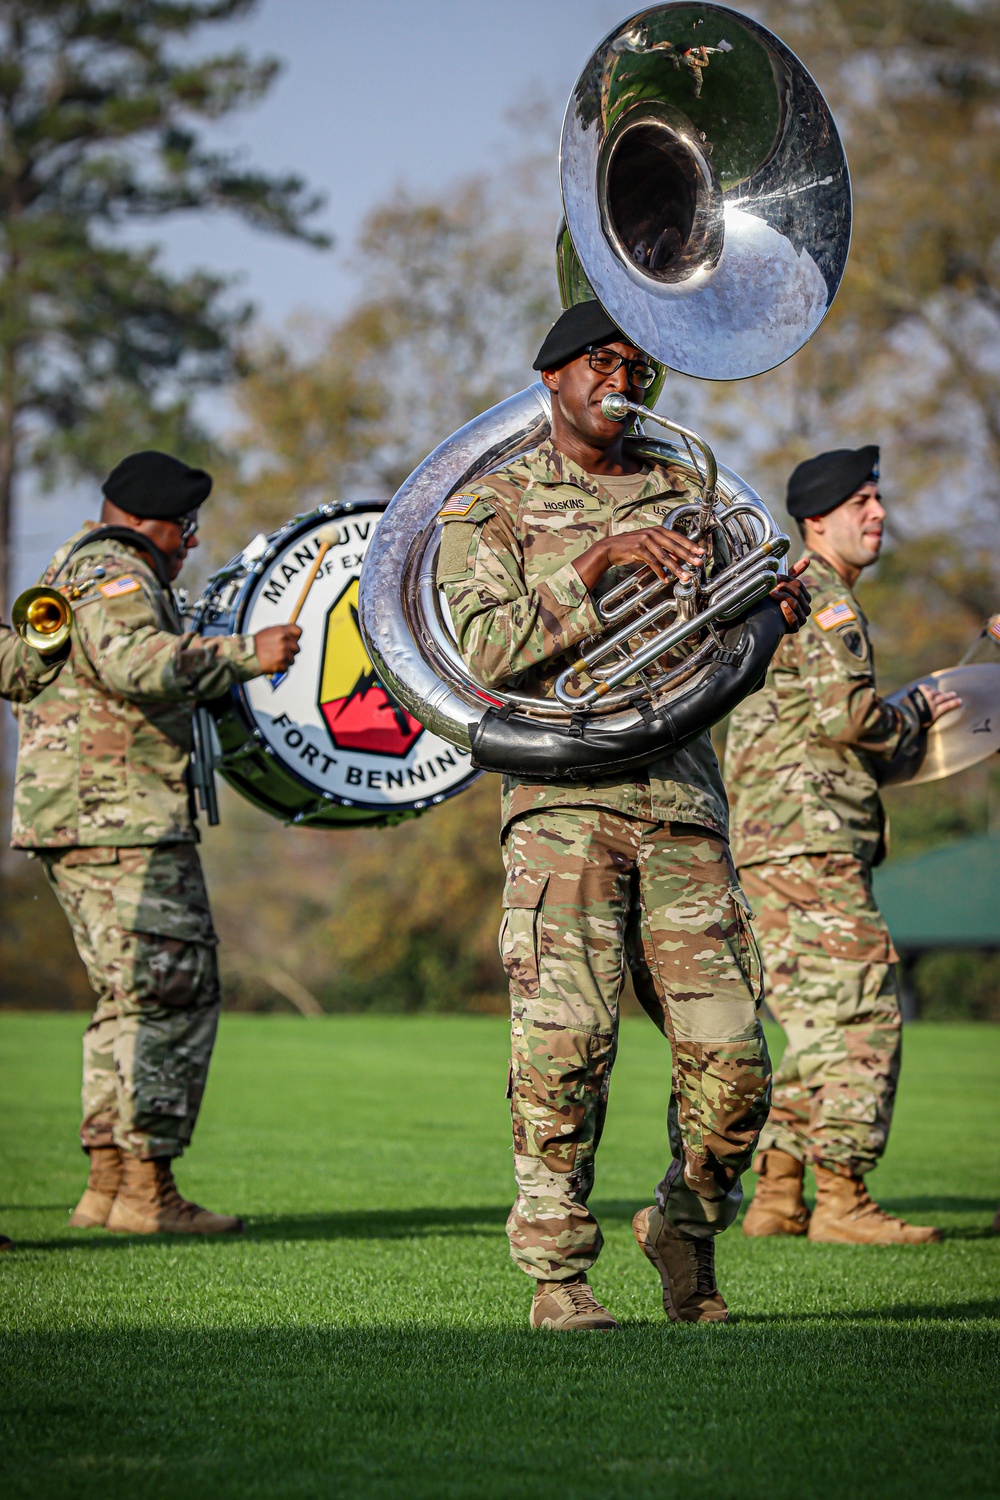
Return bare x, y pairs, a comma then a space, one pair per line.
522, 747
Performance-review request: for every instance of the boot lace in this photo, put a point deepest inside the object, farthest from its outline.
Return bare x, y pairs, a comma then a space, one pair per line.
580, 1296
704, 1268
170, 1197
865, 1207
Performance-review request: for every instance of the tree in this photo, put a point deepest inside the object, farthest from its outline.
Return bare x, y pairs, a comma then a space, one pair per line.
98, 115
457, 291
349, 408
909, 352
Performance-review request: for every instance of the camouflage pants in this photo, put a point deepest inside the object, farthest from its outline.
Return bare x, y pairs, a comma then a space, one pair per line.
587, 891
828, 963
142, 926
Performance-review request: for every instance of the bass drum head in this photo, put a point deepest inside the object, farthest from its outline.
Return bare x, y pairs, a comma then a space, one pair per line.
327, 746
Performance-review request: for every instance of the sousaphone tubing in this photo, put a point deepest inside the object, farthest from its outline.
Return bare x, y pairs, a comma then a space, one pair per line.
707, 205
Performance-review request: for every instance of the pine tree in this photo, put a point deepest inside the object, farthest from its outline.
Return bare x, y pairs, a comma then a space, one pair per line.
100, 104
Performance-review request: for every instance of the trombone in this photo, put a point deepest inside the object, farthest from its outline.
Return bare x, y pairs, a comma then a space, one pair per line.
43, 615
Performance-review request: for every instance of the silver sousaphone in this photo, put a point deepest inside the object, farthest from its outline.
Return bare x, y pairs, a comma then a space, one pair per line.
708, 206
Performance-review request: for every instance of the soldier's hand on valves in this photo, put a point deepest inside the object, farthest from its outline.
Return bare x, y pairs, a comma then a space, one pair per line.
277, 647
665, 551
793, 596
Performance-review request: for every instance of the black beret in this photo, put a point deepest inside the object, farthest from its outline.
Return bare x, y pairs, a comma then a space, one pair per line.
584, 323
822, 483
155, 486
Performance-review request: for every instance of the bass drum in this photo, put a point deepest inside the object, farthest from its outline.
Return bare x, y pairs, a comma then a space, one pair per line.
322, 745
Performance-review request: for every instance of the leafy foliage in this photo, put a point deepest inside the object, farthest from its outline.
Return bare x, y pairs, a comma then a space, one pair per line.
455, 292
98, 107
910, 354
395, 919
456, 295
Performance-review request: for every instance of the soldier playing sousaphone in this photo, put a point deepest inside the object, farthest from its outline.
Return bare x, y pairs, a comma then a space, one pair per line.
611, 871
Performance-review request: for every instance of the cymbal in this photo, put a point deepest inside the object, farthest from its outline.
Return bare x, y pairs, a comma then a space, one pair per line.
968, 734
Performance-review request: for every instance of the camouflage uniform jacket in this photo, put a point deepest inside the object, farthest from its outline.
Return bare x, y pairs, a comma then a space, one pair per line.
518, 603
23, 673
986, 646
801, 753
104, 750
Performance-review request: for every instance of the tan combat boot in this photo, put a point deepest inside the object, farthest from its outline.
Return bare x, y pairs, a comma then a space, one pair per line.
102, 1187
148, 1203
6, 1243
846, 1215
778, 1206
569, 1305
686, 1267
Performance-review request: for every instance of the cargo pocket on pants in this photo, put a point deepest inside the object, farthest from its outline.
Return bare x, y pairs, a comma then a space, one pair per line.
157, 1097
749, 954
520, 931
162, 908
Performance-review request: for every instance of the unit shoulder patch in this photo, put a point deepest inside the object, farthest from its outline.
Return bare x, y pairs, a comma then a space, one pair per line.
453, 558
855, 642
837, 613
115, 587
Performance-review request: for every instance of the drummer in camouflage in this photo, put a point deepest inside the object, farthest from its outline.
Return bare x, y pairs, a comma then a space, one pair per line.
802, 767
102, 799
633, 871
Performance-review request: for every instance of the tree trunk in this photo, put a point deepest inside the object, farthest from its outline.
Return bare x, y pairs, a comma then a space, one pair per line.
8, 458
7, 461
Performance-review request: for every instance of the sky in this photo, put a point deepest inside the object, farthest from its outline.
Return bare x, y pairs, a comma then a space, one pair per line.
371, 96
376, 95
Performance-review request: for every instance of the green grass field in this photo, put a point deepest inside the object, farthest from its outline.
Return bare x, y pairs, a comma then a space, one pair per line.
368, 1335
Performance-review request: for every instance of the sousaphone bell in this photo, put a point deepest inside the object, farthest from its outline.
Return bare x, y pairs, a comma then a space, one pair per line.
707, 205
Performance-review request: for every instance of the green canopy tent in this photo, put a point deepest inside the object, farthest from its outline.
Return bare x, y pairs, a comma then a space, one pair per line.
946, 898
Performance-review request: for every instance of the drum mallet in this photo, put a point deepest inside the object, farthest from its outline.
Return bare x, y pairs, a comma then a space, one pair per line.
327, 536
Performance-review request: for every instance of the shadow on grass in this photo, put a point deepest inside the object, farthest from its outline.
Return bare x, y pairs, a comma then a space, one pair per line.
381, 1224
36, 1208
381, 1411
899, 1312
469, 1221
940, 1205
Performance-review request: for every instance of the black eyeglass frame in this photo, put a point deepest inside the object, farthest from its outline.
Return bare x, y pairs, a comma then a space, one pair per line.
631, 366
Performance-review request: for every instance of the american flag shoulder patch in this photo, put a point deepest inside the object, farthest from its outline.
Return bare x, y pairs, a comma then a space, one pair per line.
459, 505
837, 613
115, 587
995, 627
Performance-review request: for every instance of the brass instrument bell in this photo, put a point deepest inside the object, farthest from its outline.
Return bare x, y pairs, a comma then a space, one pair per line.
43, 617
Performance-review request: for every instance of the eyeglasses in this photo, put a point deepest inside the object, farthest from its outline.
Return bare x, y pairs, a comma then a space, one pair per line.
188, 525
638, 372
